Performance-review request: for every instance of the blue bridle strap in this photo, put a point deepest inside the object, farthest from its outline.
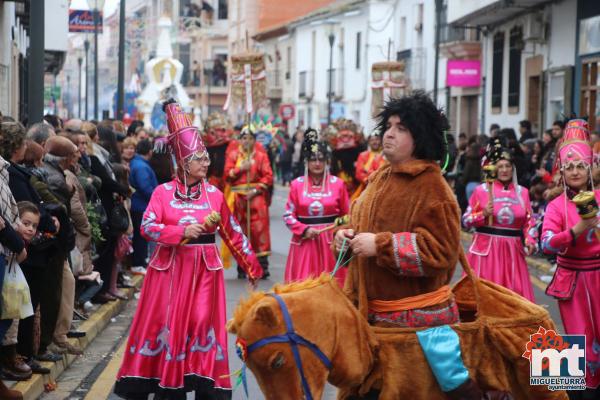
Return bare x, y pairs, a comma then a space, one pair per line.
294, 340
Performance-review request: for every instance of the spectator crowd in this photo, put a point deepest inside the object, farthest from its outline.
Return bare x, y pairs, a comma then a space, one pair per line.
71, 199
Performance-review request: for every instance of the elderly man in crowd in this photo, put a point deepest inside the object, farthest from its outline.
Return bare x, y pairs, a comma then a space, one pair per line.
61, 155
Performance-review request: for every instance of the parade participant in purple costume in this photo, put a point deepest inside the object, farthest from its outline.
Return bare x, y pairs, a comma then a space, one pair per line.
178, 341
575, 240
503, 224
315, 201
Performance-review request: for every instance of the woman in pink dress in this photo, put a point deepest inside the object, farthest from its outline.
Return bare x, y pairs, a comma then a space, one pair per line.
178, 341
497, 253
576, 281
315, 201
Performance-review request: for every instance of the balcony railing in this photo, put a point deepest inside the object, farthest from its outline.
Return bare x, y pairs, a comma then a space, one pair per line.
458, 34
274, 84
306, 84
274, 78
193, 26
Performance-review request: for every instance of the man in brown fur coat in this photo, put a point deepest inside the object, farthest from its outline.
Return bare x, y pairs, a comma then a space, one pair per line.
404, 233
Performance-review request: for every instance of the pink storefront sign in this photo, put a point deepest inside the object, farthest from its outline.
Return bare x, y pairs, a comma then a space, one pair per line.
463, 73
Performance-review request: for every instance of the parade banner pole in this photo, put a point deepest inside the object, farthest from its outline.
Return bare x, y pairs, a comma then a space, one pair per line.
490, 174
248, 184
247, 86
248, 72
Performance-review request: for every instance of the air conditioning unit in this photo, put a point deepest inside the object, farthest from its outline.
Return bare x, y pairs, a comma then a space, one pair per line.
535, 28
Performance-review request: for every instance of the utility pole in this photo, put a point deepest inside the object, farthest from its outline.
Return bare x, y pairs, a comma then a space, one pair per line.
96, 12
438, 20
121, 75
79, 62
331, 38
86, 46
35, 88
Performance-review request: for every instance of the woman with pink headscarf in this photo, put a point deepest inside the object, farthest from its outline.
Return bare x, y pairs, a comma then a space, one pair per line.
178, 341
575, 240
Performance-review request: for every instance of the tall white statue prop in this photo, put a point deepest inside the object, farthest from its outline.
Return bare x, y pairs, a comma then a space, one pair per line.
163, 74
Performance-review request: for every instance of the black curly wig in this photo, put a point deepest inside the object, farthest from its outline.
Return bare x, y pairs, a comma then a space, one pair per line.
423, 119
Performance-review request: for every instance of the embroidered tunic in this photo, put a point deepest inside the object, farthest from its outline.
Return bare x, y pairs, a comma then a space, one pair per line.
178, 340
260, 177
317, 208
497, 252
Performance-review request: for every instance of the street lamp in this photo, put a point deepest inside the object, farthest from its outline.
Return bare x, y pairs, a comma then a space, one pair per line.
121, 74
79, 62
69, 97
98, 6
439, 4
86, 46
331, 37
209, 66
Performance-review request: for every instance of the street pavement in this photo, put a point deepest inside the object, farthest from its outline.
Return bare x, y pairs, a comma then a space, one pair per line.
92, 375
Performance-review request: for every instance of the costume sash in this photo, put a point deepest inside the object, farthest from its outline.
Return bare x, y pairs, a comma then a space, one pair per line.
439, 296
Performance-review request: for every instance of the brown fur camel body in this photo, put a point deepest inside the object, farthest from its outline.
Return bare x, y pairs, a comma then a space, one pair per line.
387, 363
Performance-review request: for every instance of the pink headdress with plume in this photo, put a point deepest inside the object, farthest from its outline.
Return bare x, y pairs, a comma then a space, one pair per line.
575, 143
573, 148
184, 139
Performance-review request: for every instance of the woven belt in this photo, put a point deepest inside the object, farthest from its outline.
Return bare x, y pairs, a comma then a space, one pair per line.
578, 263
499, 231
317, 220
203, 239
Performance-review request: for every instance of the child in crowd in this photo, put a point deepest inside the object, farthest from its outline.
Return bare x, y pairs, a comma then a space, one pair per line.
16, 298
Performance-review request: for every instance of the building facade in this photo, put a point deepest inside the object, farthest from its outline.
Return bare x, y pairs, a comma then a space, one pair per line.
528, 57
15, 33
363, 33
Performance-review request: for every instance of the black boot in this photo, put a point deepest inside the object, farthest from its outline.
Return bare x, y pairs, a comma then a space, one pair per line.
469, 390
264, 263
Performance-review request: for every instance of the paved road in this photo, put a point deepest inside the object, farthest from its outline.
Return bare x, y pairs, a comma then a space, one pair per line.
92, 375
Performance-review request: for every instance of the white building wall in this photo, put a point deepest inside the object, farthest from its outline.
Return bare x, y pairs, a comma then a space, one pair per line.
460, 8
504, 117
558, 50
289, 85
14, 42
56, 26
7, 20
7, 13
378, 22
414, 29
563, 24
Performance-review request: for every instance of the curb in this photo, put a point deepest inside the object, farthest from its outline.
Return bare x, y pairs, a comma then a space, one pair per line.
538, 263
34, 387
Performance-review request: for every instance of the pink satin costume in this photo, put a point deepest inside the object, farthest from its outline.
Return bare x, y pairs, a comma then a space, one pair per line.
496, 257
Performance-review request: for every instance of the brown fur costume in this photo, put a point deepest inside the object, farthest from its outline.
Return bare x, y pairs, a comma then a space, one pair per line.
411, 197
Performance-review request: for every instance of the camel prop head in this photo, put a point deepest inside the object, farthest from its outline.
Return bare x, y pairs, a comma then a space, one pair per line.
323, 316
